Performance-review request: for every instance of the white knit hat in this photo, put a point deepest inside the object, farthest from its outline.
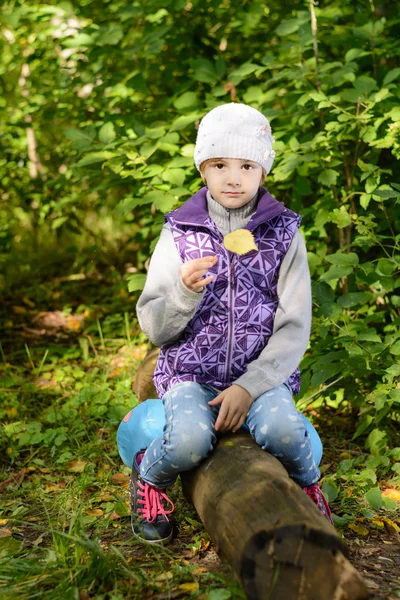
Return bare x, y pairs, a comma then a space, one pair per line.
235, 131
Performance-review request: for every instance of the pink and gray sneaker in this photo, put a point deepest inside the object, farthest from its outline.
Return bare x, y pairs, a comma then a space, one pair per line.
315, 493
150, 522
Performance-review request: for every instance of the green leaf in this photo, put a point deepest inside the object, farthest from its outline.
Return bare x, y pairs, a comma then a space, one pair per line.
368, 336
136, 282
354, 53
363, 426
376, 441
317, 96
157, 16
165, 202
379, 96
95, 157
330, 309
395, 394
350, 95
328, 177
174, 176
107, 133
336, 273
394, 370
374, 498
365, 200
353, 298
322, 292
77, 134
386, 267
154, 133
343, 259
243, 71
183, 121
324, 373
395, 348
366, 477
386, 194
204, 71
187, 101
288, 27
58, 222
110, 36
219, 594
365, 85
391, 75
341, 217
78, 40
330, 489
389, 504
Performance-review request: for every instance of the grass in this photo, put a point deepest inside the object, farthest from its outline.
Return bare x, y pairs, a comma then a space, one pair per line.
68, 359
66, 377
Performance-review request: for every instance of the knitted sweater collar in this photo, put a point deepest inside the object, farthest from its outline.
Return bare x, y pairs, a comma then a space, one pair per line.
230, 219
194, 211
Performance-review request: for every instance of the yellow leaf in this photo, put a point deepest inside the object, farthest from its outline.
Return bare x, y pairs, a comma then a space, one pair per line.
12, 412
390, 525
189, 587
5, 532
167, 575
377, 521
358, 529
28, 302
392, 494
73, 323
3, 521
240, 241
76, 466
106, 497
95, 512
345, 455
120, 479
51, 487
200, 570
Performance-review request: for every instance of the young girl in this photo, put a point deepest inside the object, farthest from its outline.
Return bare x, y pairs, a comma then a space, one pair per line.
232, 327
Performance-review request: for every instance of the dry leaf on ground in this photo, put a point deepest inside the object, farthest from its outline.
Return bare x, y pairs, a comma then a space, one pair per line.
76, 466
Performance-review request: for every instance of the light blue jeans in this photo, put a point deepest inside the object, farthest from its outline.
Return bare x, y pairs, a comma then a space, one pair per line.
189, 435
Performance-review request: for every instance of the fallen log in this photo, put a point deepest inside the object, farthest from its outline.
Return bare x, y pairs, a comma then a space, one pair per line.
269, 531
275, 539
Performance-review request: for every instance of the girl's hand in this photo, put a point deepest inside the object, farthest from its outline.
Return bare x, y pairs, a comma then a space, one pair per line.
193, 271
235, 404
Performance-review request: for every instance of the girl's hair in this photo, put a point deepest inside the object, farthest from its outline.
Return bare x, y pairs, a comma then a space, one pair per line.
206, 162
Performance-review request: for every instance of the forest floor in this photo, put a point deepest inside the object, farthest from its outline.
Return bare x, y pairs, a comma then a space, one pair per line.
68, 356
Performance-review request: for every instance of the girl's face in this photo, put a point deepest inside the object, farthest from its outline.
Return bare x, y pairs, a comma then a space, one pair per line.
232, 182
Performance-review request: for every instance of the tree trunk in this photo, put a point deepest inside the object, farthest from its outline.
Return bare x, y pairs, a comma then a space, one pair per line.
274, 537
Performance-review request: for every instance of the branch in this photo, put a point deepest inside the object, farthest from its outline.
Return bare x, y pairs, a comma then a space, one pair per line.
35, 166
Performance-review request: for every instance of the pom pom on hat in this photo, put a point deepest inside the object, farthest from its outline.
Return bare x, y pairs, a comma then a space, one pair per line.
235, 131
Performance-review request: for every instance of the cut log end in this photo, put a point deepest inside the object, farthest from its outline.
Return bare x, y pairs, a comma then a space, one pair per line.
299, 565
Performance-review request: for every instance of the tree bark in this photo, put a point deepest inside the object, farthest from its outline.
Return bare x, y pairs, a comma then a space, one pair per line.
262, 523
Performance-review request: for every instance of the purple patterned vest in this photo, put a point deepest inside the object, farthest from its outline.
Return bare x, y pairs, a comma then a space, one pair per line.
236, 316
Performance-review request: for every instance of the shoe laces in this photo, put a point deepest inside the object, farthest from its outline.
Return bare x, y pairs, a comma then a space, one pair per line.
152, 501
317, 496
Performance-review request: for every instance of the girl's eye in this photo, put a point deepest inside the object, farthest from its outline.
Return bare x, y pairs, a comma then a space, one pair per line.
247, 167
219, 165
